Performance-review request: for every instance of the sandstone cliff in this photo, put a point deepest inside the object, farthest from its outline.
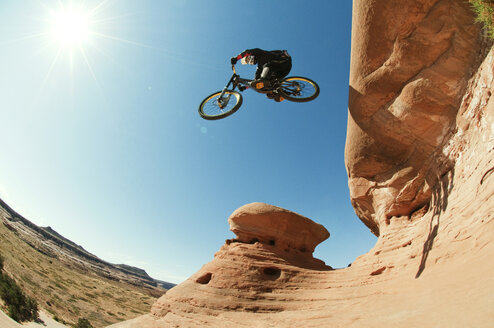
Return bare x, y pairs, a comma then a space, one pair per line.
410, 67
420, 161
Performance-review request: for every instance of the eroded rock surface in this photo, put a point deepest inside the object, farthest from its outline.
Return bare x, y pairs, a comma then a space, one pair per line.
273, 253
420, 159
276, 226
410, 65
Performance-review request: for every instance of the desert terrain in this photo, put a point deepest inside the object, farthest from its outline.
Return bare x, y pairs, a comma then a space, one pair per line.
67, 281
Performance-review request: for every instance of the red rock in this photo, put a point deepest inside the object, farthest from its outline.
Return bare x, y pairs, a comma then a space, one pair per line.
410, 65
276, 226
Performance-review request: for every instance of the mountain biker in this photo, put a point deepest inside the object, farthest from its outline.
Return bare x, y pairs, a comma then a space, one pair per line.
271, 65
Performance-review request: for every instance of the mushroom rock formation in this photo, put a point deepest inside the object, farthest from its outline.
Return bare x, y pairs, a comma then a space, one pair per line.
272, 253
262, 271
276, 226
420, 161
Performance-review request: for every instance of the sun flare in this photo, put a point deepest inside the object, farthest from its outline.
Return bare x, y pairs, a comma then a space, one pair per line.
70, 26
78, 35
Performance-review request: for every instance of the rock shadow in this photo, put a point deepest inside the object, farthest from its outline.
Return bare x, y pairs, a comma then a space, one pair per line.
293, 257
440, 203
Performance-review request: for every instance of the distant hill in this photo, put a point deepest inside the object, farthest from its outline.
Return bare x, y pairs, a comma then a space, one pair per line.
68, 281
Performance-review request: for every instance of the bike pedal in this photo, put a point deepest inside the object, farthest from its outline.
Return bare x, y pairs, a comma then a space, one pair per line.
259, 85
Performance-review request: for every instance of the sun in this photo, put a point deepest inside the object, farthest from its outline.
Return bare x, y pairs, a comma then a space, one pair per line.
70, 26
76, 31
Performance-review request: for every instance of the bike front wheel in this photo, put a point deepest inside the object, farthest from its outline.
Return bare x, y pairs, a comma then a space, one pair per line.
213, 107
299, 89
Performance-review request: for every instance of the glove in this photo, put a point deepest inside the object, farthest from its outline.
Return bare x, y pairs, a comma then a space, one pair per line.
233, 60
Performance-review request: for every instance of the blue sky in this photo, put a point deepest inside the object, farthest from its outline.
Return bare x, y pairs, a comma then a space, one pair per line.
101, 140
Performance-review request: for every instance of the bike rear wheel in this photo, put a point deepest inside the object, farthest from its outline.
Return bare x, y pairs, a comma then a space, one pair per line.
214, 108
299, 89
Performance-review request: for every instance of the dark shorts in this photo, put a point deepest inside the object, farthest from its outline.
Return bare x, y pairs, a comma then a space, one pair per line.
278, 69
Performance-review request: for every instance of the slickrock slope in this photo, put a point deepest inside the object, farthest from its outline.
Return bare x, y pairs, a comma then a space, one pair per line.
420, 160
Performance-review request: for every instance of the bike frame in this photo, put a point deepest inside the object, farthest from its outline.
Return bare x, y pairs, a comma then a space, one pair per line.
242, 85
239, 82
235, 80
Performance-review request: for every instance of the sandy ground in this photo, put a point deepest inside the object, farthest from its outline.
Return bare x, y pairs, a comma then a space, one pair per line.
47, 322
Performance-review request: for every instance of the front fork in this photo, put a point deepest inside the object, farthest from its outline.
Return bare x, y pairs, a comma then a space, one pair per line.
222, 100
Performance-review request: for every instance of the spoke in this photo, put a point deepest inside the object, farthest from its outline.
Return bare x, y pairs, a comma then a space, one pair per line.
299, 88
212, 108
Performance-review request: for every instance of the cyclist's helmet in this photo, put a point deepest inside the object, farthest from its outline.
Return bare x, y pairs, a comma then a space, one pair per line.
248, 60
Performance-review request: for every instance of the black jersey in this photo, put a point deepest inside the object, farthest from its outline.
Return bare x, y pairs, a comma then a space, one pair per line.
278, 58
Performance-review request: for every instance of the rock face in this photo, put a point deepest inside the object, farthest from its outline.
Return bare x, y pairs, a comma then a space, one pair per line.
420, 160
410, 66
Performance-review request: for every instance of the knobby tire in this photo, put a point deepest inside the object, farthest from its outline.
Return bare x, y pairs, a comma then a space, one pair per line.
293, 88
209, 108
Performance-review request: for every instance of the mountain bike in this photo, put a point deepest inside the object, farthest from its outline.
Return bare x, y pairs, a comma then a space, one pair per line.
227, 101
